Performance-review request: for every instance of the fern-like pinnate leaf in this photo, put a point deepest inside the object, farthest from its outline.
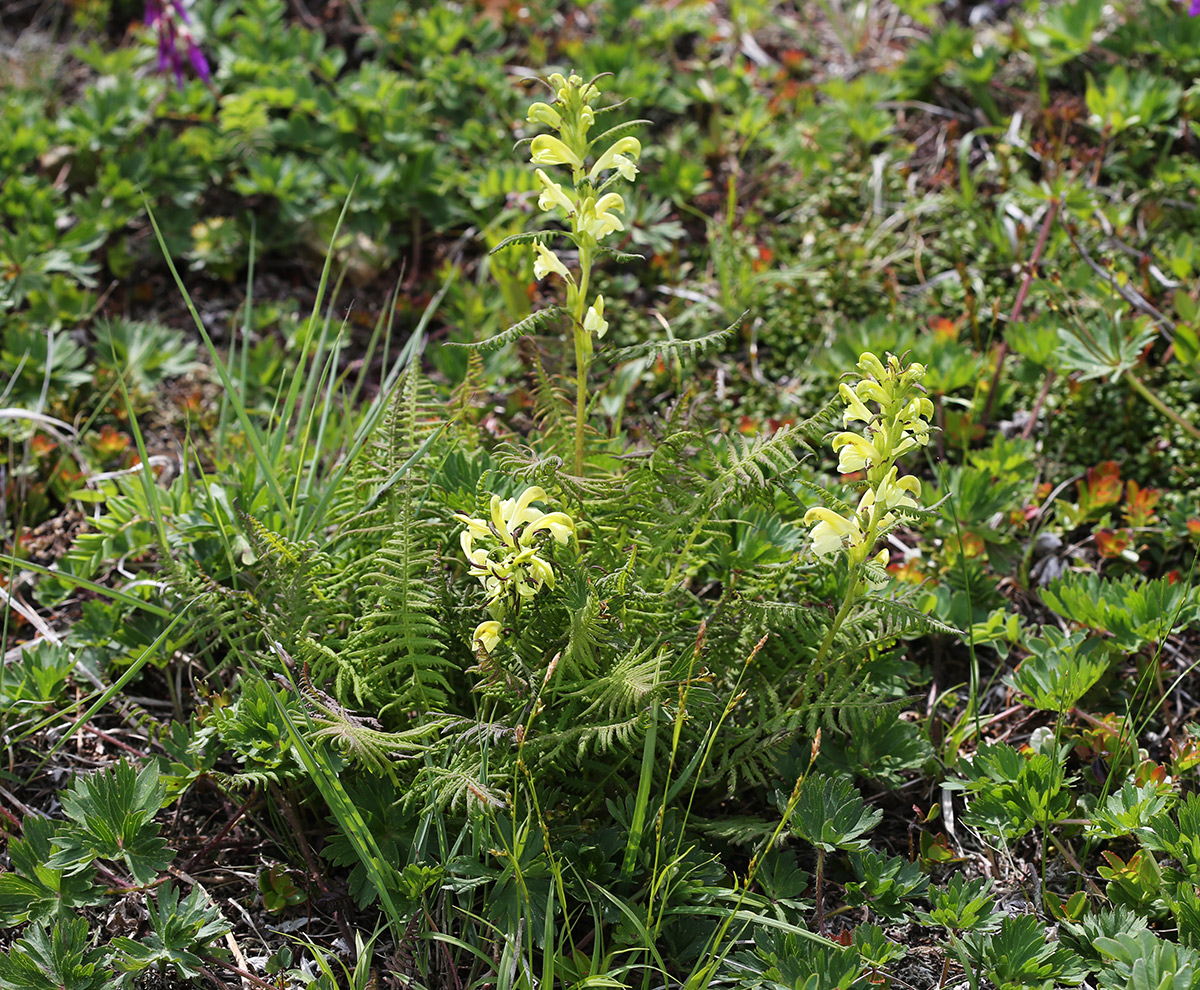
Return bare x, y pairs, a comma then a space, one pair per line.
657, 348
531, 324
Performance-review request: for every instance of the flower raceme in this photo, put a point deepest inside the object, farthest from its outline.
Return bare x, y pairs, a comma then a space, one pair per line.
591, 213
506, 561
898, 425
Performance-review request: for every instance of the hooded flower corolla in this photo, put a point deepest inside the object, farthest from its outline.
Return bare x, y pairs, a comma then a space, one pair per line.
831, 531
595, 218
594, 322
508, 564
170, 21
487, 635
552, 195
622, 155
549, 150
547, 262
543, 113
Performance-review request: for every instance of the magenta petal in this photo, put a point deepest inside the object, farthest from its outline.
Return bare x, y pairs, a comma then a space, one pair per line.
200, 63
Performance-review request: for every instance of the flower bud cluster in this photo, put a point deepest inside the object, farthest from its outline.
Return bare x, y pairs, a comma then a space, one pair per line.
507, 561
895, 415
591, 213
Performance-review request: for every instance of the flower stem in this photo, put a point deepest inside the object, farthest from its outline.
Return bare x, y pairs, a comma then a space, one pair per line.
1149, 395
583, 355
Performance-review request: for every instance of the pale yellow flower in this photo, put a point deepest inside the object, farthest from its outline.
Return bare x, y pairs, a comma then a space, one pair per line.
543, 113
552, 195
512, 565
856, 409
546, 262
831, 531
594, 322
596, 219
621, 155
857, 453
487, 635
549, 150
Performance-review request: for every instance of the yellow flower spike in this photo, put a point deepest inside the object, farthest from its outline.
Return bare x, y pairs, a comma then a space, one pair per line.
487, 635
857, 453
594, 322
546, 262
552, 195
621, 155
856, 409
547, 150
543, 113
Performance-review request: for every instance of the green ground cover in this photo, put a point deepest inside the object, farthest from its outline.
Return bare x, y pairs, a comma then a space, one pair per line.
600, 495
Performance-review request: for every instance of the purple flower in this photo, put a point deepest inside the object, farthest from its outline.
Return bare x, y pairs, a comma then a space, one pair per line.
169, 20
1194, 8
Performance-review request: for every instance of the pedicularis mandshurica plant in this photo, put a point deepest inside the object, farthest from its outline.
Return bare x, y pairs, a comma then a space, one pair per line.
888, 401
590, 210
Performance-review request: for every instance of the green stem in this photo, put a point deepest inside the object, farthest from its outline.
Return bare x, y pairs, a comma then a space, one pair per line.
1148, 394
583, 347
818, 884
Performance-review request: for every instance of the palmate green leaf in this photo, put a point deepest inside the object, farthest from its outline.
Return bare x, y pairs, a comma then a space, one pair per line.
60, 958
800, 962
1130, 809
1020, 955
36, 891
885, 884
1107, 354
112, 817
177, 927
1061, 669
1146, 962
831, 814
962, 905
